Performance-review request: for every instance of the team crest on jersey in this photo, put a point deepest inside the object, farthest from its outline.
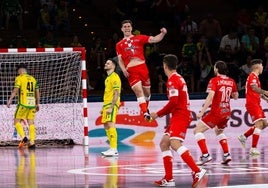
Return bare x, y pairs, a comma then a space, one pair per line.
173, 91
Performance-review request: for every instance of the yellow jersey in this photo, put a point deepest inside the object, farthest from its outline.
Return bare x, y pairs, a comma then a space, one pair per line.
27, 85
112, 82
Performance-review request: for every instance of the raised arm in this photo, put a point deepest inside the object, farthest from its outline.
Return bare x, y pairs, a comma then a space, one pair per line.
159, 37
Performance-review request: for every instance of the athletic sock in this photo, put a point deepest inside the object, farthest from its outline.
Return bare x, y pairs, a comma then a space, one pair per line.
20, 130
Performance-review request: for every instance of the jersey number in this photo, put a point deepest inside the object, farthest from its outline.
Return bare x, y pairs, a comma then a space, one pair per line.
30, 86
225, 93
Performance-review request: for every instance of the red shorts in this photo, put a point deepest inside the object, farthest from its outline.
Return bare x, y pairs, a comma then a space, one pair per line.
255, 113
137, 74
178, 126
211, 120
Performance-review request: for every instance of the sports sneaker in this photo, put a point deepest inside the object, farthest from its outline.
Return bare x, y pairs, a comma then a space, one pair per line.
165, 183
23, 142
31, 145
147, 117
226, 159
242, 140
110, 153
254, 152
204, 159
197, 177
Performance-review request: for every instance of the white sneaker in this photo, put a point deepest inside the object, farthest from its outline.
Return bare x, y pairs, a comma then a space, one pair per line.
197, 177
204, 159
254, 152
226, 159
165, 183
242, 140
110, 153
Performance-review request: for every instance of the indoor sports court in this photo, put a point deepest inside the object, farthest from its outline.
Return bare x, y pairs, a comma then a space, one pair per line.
75, 160
138, 165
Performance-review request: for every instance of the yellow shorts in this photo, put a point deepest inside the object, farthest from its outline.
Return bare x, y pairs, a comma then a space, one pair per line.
109, 117
25, 113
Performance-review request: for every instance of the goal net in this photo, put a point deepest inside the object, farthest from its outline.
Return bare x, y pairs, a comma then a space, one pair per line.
61, 74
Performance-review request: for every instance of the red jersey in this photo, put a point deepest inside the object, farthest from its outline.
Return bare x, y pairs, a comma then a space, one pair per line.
132, 48
223, 86
177, 93
252, 98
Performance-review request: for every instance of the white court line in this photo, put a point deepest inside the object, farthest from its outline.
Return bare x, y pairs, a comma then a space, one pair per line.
245, 186
153, 171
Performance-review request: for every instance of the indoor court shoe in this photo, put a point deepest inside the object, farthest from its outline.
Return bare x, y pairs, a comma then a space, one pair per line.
165, 183
242, 139
23, 142
110, 153
147, 117
254, 152
226, 159
31, 146
197, 177
204, 159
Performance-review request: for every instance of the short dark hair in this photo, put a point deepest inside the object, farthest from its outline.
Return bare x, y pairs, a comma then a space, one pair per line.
126, 21
256, 61
222, 67
171, 61
21, 66
113, 61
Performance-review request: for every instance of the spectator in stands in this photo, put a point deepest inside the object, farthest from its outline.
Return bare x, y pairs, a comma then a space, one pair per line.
250, 43
19, 42
206, 73
231, 39
111, 42
126, 9
243, 21
185, 68
97, 52
233, 65
264, 75
189, 26
49, 41
189, 48
44, 23
12, 8
180, 10
162, 11
75, 42
245, 70
260, 21
211, 28
62, 25
205, 65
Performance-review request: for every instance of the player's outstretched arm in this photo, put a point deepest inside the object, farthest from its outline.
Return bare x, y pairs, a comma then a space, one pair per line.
159, 37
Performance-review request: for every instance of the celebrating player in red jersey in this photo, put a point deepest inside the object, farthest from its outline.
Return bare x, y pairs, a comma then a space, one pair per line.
220, 90
178, 107
254, 93
132, 63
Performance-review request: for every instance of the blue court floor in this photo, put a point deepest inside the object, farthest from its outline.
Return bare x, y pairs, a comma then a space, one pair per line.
136, 166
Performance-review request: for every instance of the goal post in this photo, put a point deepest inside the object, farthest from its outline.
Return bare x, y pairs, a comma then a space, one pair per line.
62, 77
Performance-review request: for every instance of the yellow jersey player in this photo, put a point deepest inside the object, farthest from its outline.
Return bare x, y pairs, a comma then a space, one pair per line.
27, 89
111, 103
